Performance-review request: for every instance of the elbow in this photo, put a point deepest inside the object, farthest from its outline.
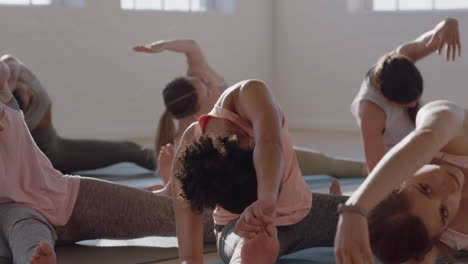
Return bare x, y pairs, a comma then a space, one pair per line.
8, 57
254, 84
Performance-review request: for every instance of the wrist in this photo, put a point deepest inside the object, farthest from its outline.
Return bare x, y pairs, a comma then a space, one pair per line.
451, 20
267, 196
352, 209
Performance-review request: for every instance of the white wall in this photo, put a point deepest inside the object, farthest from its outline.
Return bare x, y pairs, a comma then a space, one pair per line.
100, 88
323, 52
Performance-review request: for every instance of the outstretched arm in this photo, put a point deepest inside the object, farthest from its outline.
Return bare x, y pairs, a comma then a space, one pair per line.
445, 34
437, 123
197, 64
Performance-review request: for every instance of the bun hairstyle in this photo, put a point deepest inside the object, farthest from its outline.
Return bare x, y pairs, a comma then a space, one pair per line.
399, 81
181, 100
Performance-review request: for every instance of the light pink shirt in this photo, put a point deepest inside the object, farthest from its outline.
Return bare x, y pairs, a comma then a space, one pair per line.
295, 198
27, 176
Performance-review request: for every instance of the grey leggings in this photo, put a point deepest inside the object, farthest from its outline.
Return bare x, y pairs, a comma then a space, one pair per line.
102, 210
317, 229
68, 155
313, 162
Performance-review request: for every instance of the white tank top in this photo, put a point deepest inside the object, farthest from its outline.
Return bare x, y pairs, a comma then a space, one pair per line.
397, 124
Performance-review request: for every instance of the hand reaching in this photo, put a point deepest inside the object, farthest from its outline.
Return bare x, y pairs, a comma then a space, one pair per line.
352, 240
154, 47
446, 35
257, 217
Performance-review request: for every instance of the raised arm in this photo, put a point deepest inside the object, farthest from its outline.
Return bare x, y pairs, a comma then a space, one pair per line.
189, 225
197, 64
437, 123
258, 105
444, 34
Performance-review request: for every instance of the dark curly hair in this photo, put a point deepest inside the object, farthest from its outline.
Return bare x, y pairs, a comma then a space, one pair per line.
215, 171
397, 236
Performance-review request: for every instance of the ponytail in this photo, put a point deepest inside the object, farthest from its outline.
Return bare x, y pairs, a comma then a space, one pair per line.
165, 132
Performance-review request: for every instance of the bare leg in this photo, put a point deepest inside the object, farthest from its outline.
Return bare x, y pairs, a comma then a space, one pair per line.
165, 158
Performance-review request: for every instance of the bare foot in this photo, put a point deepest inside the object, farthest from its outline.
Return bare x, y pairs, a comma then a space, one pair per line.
44, 254
335, 187
165, 158
262, 249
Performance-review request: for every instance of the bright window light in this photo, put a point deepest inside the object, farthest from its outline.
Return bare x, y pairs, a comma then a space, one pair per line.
67, 3
226, 6
401, 5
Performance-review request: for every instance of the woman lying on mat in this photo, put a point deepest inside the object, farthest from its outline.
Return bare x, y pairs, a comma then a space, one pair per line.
66, 155
415, 195
239, 158
41, 207
387, 103
187, 98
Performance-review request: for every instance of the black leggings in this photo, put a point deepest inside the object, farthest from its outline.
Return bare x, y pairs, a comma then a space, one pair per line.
68, 155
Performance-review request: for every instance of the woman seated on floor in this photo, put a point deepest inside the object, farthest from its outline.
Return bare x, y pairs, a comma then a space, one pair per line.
188, 97
239, 158
67, 155
417, 196
386, 105
41, 207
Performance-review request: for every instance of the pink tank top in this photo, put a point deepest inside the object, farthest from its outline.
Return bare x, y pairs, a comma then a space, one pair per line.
27, 176
295, 198
450, 237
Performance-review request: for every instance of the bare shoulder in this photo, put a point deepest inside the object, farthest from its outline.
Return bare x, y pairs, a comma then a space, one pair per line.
441, 109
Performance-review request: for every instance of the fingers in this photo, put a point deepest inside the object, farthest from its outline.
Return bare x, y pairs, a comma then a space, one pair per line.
448, 50
142, 49
257, 212
246, 230
271, 230
338, 256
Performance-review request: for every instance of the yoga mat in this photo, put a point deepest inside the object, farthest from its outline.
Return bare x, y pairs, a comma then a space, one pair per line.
124, 173
151, 249
79, 254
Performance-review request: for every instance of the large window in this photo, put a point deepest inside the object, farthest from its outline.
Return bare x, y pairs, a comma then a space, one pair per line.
397, 5
67, 3
226, 6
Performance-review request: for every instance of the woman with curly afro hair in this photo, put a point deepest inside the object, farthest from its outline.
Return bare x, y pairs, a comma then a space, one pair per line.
239, 160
